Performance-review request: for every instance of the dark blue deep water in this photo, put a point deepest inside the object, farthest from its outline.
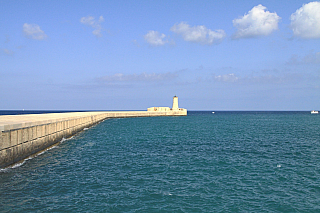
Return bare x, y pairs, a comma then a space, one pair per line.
204, 162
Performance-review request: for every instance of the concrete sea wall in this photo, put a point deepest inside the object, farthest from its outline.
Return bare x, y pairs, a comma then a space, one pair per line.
25, 135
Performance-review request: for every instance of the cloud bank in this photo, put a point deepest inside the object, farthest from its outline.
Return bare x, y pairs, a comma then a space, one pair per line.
226, 78
279, 78
258, 22
143, 77
8, 52
305, 22
154, 38
33, 31
198, 34
96, 25
311, 58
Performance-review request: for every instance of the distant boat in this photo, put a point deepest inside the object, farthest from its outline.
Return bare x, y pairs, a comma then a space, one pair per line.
314, 112
212, 112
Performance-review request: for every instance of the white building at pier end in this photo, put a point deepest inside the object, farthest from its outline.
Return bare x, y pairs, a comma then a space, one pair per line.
174, 110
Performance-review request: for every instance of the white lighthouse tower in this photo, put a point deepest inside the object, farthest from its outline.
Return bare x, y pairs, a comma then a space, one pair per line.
175, 103
175, 110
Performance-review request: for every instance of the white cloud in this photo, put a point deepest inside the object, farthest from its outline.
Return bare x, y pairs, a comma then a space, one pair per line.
198, 34
119, 77
258, 22
226, 78
96, 25
305, 22
33, 31
154, 38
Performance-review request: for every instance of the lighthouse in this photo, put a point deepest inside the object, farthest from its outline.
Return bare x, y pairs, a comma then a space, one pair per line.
175, 103
175, 110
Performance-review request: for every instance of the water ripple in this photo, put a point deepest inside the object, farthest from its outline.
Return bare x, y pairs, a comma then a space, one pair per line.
232, 162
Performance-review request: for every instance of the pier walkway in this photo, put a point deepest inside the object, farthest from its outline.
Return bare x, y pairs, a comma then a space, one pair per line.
24, 135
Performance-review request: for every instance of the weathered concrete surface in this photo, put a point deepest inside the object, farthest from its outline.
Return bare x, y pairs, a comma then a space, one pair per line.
25, 135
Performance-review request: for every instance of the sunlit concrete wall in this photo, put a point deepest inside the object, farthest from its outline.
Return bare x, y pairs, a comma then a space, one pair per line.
25, 135
159, 109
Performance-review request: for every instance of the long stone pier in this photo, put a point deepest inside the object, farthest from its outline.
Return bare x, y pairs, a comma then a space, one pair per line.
25, 135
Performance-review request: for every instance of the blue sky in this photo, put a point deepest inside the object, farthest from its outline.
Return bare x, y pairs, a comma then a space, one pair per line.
130, 55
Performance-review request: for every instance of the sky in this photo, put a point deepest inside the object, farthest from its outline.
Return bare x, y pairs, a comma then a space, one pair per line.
131, 55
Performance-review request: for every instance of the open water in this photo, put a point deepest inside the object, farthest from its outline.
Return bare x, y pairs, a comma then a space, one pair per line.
204, 162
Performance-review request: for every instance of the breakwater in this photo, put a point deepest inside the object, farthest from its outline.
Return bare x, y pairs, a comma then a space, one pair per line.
25, 135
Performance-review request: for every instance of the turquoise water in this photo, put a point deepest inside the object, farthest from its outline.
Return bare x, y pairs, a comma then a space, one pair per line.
204, 162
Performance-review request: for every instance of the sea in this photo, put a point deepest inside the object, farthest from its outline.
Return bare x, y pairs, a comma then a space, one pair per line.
223, 162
